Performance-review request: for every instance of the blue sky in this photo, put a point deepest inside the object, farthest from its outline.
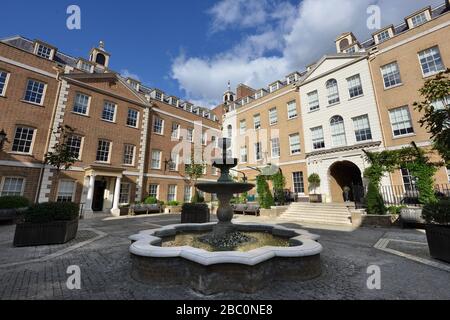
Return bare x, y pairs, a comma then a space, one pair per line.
192, 48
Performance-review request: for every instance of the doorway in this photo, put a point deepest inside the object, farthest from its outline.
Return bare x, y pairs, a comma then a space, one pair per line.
99, 196
345, 175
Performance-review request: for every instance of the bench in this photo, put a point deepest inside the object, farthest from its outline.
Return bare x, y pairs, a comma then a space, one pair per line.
246, 209
138, 209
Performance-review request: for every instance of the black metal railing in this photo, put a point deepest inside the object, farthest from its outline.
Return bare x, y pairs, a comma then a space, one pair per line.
404, 196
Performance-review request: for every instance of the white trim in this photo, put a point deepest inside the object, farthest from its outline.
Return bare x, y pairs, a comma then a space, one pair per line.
160, 159
43, 92
3, 93
434, 72
74, 191
266, 101
27, 67
88, 108
32, 141
184, 119
159, 176
2, 183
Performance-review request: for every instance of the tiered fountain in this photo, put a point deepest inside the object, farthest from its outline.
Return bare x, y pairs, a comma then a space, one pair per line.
224, 256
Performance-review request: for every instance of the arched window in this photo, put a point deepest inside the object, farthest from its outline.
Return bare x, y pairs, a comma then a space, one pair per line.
338, 131
230, 131
344, 44
333, 91
100, 59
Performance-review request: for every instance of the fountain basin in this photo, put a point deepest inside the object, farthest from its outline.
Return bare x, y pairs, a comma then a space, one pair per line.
215, 272
225, 187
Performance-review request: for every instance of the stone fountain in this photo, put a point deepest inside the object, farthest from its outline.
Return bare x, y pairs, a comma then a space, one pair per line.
224, 256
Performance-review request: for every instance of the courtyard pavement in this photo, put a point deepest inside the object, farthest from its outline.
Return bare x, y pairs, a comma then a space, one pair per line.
101, 252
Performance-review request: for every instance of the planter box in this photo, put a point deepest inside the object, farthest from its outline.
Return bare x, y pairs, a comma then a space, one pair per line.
315, 198
10, 214
172, 209
411, 216
439, 241
195, 213
370, 220
37, 234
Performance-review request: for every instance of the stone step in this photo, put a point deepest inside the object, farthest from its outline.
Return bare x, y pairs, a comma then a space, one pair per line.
318, 221
317, 214
323, 205
317, 210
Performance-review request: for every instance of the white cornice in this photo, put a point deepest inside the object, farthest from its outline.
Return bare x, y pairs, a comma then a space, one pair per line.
184, 119
27, 67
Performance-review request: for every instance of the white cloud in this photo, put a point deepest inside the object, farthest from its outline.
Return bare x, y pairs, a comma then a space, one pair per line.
127, 74
285, 38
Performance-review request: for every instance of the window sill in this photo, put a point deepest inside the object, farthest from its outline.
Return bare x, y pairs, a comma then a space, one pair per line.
393, 87
333, 104
159, 134
404, 136
295, 154
3, 96
273, 124
20, 154
129, 165
102, 162
357, 97
80, 114
293, 118
426, 76
313, 111
131, 127
33, 103
107, 121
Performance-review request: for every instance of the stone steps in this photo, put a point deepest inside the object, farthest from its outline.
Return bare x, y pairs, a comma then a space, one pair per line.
322, 213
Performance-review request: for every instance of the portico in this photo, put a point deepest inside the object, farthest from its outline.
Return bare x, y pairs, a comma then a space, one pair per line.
101, 190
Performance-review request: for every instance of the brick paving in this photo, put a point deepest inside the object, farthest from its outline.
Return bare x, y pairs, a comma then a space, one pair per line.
105, 267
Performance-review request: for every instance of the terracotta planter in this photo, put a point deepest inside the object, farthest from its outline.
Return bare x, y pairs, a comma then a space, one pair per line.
439, 241
37, 234
315, 198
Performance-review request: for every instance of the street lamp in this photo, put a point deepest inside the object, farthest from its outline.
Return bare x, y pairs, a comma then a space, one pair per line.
167, 163
2, 139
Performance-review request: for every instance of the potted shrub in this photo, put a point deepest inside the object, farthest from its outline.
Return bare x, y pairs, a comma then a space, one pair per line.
314, 183
47, 224
173, 207
437, 216
11, 206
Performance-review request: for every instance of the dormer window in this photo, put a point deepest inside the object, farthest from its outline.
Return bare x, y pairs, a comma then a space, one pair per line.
383, 36
44, 51
173, 101
351, 50
419, 19
292, 78
84, 66
274, 87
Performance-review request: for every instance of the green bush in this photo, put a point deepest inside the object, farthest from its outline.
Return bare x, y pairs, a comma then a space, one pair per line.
151, 200
13, 202
375, 202
197, 198
314, 181
265, 198
395, 209
52, 211
437, 213
173, 203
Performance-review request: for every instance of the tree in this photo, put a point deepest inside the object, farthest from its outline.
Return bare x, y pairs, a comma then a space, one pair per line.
436, 112
279, 183
63, 157
265, 198
194, 171
314, 181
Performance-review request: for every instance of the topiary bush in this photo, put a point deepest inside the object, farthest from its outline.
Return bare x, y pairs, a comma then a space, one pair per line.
437, 213
13, 202
265, 198
173, 203
52, 211
375, 202
151, 200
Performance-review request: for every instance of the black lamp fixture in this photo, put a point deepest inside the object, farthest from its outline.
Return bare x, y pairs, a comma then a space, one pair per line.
3, 138
167, 163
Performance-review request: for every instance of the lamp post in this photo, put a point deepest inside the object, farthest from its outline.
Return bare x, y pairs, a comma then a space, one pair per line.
167, 163
3, 139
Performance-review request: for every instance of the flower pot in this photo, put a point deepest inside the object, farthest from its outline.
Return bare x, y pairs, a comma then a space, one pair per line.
37, 234
315, 198
439, 241
172, 209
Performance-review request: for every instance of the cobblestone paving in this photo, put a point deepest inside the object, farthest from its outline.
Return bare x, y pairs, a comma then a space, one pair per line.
105, 269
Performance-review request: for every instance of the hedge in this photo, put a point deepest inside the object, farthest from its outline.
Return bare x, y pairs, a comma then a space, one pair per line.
13, 202
52, 211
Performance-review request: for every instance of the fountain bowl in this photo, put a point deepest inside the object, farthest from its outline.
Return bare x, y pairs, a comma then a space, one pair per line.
225, 187
216, 272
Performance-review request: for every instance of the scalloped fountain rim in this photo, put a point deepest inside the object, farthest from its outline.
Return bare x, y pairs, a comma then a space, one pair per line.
147, 244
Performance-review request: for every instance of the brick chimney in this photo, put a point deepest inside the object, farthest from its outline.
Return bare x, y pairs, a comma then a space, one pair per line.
243, 91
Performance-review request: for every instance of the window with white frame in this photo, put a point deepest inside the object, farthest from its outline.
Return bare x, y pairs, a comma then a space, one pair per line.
84, 66
257, 121
204, 138
292, 109
355, 88
187, 194
156, 159
158, 125
274, 87
313, 101
230, 131
299, 185
66, 191
124, 197
419, 19
3, 82
172, 193
103, 151
133, 118
258, 151
35, 91
12, 186
243, 126
190, 135
409, 181
391, 75
109, 111
158, 95
294, 144
401, 121
351, 50
214, 141
153, 190
81, 104
74, 143
23, 140
244, 155
175, 131
275, 146
362, 128
273, 116
333, 91
129, 154
383, 36
173, 164
43, 51
431, 61
318, 141
338, 131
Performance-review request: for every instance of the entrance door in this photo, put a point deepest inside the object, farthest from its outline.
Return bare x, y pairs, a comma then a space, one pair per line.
99, 196
345, 182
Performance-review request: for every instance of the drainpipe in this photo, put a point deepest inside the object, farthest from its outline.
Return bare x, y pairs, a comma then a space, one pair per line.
50, 132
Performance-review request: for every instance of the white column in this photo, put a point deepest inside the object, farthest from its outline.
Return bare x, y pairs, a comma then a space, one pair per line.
115, 210
90, 195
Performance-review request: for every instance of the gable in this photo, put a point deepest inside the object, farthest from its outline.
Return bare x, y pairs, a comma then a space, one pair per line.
328, 64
